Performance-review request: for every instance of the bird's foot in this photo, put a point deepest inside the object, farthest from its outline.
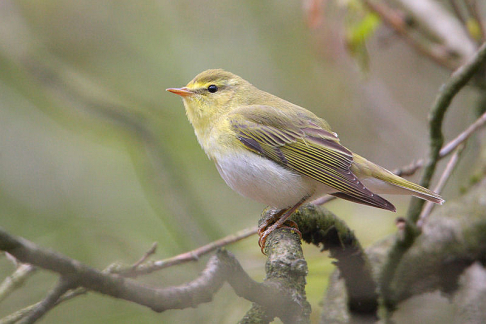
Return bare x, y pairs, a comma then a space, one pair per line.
270, 225
279, 219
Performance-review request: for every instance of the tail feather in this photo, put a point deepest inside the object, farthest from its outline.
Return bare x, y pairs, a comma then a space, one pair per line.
411, 188
381, 181
432, 196
377, 201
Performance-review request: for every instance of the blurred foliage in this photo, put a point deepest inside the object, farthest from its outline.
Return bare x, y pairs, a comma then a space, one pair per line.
361, 26
97, 161
474, 28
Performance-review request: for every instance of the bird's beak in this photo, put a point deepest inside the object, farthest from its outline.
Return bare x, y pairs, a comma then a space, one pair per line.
183, 92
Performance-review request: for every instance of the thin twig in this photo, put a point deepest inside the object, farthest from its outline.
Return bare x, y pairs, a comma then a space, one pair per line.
193, 255
18, 315
451, 165
147, 254
410, 169
190, 294
446, 149
323, 200
49, 301
461, 138
16, 280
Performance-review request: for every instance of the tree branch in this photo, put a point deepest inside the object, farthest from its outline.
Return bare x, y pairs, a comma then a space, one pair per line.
446, 93
322, 228
281, 295
160, 299
286, 270
443, 100
454, 238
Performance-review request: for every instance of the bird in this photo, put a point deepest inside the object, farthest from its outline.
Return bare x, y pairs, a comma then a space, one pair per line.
280, 154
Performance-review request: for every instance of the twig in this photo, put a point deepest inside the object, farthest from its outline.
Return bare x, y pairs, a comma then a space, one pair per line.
16, 280
18, 315
323, 200
139, 268
147, 254
49, 301
193, 255
410, 169
461, 138
442, 181
446, 149
108, 284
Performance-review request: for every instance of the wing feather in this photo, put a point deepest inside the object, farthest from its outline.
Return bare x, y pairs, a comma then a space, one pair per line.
306, 149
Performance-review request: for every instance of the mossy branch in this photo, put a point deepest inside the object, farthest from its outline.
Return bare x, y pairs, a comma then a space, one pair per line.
322, 228
442, 102
454, 240
286, 269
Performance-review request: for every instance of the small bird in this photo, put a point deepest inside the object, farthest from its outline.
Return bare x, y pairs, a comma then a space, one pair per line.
281, 154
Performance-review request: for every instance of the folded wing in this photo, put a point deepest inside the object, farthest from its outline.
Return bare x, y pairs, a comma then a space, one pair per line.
303, 147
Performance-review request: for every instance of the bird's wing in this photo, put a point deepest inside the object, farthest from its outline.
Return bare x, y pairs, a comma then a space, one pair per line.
304, 147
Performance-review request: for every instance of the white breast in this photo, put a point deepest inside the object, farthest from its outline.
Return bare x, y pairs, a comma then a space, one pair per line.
263, 180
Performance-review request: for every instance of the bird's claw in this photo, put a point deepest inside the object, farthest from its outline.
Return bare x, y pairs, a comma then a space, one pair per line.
265, 229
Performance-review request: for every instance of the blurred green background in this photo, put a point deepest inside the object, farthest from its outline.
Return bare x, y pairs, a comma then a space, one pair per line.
97, 160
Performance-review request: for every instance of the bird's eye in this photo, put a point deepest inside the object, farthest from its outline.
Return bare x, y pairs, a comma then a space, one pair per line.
212, 88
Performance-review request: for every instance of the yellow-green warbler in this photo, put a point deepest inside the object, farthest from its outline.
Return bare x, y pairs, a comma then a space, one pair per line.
278, 153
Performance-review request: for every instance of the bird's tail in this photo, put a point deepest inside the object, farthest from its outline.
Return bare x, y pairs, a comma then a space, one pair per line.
384, 181
417, 190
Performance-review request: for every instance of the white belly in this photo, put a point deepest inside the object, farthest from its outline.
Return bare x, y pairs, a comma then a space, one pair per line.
263, 180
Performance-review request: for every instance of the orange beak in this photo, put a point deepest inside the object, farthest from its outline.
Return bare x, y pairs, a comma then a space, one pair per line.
183, 92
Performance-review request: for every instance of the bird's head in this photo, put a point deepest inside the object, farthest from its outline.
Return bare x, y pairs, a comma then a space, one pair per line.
213, 93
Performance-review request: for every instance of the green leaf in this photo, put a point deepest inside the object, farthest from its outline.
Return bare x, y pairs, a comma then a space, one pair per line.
357, 34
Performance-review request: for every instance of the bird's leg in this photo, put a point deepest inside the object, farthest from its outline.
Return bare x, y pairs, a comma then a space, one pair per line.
278, 219
273, 218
